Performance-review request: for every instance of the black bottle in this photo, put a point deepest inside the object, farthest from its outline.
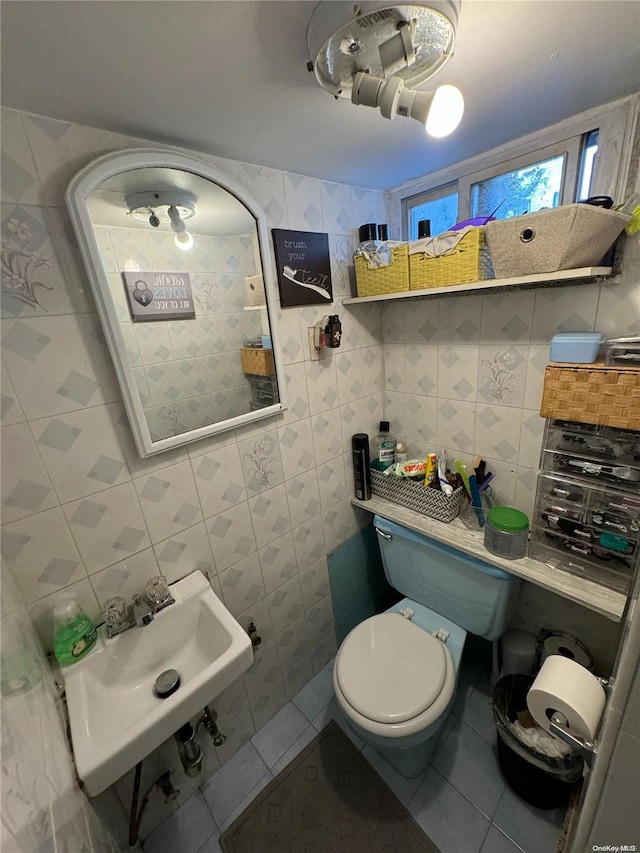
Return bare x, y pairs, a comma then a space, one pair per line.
424, 228
361, 472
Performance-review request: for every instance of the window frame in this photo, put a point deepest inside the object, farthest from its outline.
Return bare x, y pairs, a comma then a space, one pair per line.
616, 124
570, 148
429, 195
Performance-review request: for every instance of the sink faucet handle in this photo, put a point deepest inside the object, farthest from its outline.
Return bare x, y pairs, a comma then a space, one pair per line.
114, 611
157, 589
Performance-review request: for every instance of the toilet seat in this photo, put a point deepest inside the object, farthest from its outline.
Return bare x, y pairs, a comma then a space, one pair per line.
393, 678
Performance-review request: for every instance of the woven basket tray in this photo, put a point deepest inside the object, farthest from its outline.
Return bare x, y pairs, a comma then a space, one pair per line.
257, 361
469, 262
391, 279
592, 394
417, 497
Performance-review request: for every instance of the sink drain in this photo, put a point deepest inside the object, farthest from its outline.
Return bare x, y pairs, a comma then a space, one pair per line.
166, 683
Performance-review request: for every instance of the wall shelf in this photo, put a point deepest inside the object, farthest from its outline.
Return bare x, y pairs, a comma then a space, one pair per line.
523, 282
588, 593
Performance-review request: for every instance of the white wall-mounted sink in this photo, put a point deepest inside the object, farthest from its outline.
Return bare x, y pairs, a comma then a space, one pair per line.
116, 718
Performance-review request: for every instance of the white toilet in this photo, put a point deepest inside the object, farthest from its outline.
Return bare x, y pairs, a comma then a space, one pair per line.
395, 674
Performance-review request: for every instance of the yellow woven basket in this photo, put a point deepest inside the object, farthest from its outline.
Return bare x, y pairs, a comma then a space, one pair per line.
592, 394
390, 279
469, 262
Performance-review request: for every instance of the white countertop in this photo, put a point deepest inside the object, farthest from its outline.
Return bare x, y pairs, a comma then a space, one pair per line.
588, 593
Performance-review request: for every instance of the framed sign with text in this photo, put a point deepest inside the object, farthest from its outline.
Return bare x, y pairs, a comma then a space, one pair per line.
304, 267
159, 296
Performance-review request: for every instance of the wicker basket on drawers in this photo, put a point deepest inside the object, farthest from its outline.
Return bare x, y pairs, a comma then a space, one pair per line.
257, 361
592, 394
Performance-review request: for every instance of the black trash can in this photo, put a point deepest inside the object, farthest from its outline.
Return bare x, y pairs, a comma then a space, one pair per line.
541, 781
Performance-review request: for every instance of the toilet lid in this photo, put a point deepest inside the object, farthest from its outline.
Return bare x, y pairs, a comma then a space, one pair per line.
390, 670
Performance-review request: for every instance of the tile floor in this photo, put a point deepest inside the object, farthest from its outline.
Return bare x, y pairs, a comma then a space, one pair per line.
461, 800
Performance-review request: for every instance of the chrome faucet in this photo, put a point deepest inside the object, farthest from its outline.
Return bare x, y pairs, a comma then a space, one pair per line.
119, 617
142, 611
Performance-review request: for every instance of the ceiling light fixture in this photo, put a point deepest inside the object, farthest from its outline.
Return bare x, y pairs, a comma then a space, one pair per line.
165, 207
439, 111
375, 54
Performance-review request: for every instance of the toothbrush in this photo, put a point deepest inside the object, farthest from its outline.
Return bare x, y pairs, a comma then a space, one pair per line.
461, 468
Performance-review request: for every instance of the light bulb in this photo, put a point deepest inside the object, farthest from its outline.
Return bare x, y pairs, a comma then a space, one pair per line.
446, 111
440, 111
184, 241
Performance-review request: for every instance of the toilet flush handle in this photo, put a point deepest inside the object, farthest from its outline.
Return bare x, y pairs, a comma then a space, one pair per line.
384, 534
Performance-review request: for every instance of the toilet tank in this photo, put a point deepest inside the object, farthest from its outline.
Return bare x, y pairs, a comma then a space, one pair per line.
475, 595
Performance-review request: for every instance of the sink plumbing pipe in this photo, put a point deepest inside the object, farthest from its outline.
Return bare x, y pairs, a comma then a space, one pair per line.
190, 751
191, 756
166, 786
208, 720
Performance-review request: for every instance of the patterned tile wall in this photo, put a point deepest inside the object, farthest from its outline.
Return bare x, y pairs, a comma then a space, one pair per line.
257, 509
465, 373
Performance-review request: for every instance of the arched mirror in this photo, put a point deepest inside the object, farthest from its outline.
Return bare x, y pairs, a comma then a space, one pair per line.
178, 258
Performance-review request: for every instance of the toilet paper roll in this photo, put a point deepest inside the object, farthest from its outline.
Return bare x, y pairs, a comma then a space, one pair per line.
568, 647
564, 686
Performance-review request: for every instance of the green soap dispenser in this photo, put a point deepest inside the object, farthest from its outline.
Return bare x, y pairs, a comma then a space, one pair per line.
74, 634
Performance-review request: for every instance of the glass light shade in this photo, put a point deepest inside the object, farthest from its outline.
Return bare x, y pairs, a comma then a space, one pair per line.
344, 38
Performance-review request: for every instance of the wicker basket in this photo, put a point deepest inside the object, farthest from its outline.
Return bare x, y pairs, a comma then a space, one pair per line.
390, 279
417, 497
470, 261
257, 361
592, 394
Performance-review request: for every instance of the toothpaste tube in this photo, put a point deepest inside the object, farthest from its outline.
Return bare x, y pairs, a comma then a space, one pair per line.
445, 485
431, 471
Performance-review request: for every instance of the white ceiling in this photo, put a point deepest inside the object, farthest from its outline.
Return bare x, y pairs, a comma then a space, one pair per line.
230, 78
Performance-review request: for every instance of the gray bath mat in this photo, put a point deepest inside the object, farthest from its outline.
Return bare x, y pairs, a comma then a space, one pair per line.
327, 800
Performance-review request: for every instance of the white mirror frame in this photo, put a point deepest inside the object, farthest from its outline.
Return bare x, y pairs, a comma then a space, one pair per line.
77, 196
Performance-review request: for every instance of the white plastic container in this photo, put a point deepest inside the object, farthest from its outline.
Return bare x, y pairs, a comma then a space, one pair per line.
575, 347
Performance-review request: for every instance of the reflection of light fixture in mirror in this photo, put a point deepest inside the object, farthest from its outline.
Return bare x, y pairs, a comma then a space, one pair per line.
183, 239
439, 111
170, 207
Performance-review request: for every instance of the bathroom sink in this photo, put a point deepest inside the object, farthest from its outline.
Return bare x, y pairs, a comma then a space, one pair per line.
116, 718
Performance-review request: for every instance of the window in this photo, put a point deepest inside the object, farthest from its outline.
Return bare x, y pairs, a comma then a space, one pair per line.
587, 161
440, 207
519, 191
547, 177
